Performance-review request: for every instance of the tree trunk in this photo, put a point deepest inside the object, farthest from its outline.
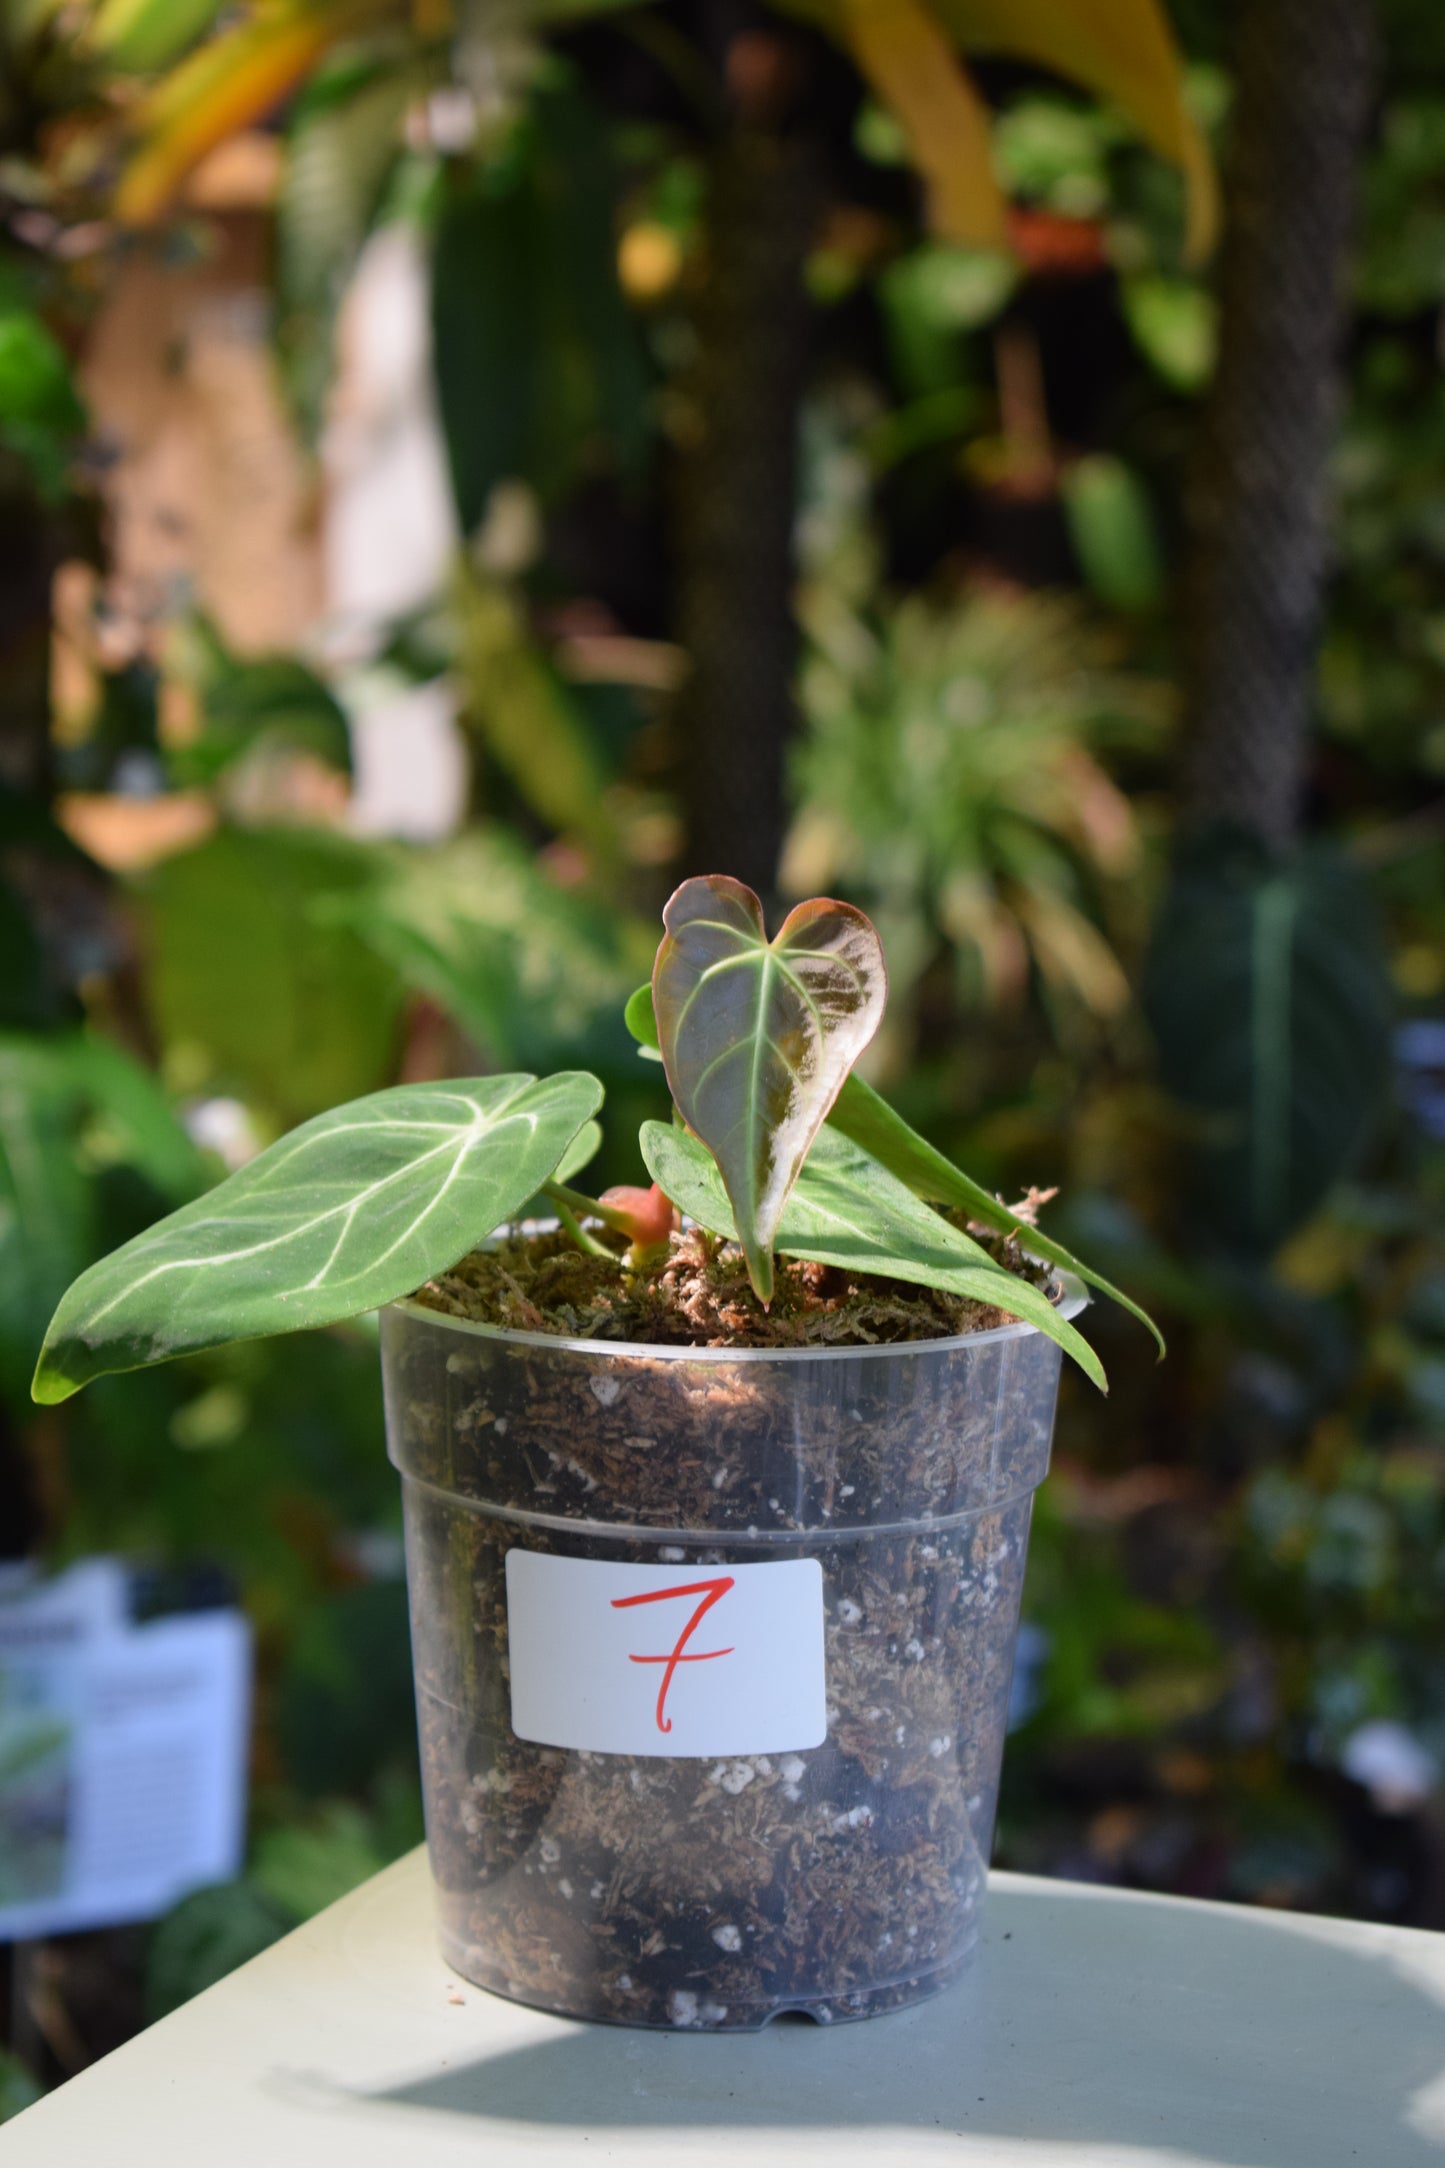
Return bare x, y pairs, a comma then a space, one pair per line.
737, 491
1258, 511
27, 566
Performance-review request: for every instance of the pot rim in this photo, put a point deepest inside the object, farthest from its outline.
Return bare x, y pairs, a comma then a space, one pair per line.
1075, 1299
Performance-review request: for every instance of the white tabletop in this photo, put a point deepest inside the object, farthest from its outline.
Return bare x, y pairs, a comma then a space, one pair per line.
1095, 2027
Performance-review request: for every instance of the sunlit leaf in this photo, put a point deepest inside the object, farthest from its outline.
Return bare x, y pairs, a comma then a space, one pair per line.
350, 1211
757, 1036
847, 1210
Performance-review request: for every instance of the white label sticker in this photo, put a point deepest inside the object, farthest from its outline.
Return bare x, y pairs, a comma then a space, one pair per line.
670, 1659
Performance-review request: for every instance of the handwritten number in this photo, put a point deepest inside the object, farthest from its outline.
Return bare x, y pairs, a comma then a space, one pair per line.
711, 1592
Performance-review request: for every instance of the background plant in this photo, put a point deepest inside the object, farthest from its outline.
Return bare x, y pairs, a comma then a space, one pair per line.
1236, 1566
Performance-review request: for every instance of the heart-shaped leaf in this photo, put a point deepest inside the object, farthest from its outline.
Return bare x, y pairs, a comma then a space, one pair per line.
847, 1210
860, 1113
757, 1036
351, 1210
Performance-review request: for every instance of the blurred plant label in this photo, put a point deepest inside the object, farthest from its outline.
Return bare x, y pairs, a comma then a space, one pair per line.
666, 1659
122, 1752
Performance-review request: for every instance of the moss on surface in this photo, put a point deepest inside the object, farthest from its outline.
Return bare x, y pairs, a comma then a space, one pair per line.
700, 1297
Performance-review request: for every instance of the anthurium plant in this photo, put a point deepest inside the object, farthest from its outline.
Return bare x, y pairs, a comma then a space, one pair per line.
776, 1144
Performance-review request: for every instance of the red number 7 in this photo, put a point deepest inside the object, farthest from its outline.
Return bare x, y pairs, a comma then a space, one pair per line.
711, 1592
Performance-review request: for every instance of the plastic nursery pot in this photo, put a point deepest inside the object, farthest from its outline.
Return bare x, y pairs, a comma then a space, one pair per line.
713, 1651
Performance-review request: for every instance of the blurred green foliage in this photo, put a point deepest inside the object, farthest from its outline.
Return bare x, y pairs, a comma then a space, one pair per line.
561, 362
257, 988
41, 416
1241, 1558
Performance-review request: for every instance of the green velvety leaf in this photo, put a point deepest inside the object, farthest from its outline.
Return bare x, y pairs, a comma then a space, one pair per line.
1270, 997
860, 1113
757, 1036
848, 1211
352, 1210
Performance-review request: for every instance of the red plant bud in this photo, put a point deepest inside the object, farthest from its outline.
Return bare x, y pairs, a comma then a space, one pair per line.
649, 1215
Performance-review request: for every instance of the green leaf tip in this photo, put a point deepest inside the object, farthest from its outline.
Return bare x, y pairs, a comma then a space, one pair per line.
860, 1113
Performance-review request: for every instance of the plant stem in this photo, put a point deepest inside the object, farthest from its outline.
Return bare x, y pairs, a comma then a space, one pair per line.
588, 1244
576, 1201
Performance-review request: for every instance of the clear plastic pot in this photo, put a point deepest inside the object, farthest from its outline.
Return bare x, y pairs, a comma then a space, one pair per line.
789, 1805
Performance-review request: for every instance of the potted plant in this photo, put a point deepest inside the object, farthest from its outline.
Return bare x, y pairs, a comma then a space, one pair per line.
717, 1493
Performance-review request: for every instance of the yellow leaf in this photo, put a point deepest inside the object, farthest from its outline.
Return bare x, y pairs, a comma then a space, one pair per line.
1122, 50
226, 85
899, 46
